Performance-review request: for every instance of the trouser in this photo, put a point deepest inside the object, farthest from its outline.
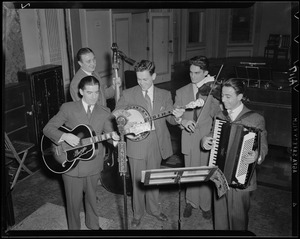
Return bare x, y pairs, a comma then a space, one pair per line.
231, 210
75, 188
198, 194
145, 197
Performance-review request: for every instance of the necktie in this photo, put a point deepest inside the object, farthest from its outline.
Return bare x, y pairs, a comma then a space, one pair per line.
147, 98
197, 110
230, 113
89, 112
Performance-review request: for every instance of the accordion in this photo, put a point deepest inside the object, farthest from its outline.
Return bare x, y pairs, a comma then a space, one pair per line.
233, 141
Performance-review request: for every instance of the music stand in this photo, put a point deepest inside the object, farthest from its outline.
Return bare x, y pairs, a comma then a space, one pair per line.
185, 175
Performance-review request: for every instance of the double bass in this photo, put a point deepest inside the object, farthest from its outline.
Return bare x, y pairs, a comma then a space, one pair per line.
111, 178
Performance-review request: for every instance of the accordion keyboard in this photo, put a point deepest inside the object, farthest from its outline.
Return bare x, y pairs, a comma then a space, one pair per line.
216, 135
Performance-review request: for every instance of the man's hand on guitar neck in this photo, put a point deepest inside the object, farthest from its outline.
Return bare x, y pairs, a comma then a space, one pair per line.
116, 138
178, 112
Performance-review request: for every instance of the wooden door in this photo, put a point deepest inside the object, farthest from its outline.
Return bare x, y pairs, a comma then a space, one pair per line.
96, 33
121, 23
139, 40
161, 44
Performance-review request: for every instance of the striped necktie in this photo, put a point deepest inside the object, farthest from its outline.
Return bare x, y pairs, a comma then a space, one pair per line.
197, 110
89, 112
230, 114
148, 100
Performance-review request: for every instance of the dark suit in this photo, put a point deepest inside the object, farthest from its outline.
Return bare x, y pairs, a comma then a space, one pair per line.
231, 210
84, 177
200, 195
148, 153
105, 93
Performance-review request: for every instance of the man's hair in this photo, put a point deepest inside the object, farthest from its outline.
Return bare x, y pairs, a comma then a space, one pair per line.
237, 84
88, 80
83, 51
200, 61
145, 65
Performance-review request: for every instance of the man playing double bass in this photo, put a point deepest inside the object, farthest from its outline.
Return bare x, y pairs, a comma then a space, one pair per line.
87, 61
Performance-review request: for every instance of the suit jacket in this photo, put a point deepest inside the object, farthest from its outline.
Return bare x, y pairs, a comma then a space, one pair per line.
184, 96
162, 102
72, 114
254, 120
105, 93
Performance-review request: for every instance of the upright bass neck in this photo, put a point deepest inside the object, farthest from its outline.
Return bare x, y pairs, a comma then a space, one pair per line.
115, 66
117, 88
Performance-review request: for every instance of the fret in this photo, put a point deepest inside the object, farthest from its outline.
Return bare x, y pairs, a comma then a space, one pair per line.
95, 139
106, 136
160, 115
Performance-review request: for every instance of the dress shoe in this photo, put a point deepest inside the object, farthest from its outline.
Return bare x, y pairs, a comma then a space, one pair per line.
161, 217
188, 210
207, 214
135, 222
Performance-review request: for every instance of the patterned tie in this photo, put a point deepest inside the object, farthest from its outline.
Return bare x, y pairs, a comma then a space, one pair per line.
197, 110
147, 98
230, 113
89, 112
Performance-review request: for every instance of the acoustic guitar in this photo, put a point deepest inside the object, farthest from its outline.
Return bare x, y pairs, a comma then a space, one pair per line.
60, 158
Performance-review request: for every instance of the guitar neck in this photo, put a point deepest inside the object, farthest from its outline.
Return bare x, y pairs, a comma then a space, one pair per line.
163, 114
160, 115
88, 141
97, 138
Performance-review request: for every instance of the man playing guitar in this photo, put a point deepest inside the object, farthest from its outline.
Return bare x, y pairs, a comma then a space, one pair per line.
82, 179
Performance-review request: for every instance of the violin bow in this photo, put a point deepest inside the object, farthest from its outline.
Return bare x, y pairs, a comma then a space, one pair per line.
209, 93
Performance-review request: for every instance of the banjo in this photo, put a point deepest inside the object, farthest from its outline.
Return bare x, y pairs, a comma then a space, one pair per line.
135, 114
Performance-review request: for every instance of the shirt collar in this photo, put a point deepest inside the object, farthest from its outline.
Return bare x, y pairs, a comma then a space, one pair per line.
235, 112
208, 78
150, 91
85, 105
86, 72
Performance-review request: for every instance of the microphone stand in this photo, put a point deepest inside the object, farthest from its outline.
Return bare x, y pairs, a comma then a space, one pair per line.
121, 121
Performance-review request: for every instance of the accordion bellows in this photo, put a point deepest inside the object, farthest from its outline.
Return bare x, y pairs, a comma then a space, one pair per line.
233, 141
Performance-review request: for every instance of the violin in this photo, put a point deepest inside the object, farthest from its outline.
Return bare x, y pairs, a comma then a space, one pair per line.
211, 86
210, 90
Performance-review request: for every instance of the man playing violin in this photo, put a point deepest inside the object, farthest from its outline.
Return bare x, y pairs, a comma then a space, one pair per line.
196, 124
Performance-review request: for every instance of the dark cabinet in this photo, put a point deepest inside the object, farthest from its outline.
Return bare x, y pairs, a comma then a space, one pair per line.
276, 107
46, 93
18, 115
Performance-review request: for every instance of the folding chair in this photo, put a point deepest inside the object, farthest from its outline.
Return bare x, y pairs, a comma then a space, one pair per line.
14, 149
284, 46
